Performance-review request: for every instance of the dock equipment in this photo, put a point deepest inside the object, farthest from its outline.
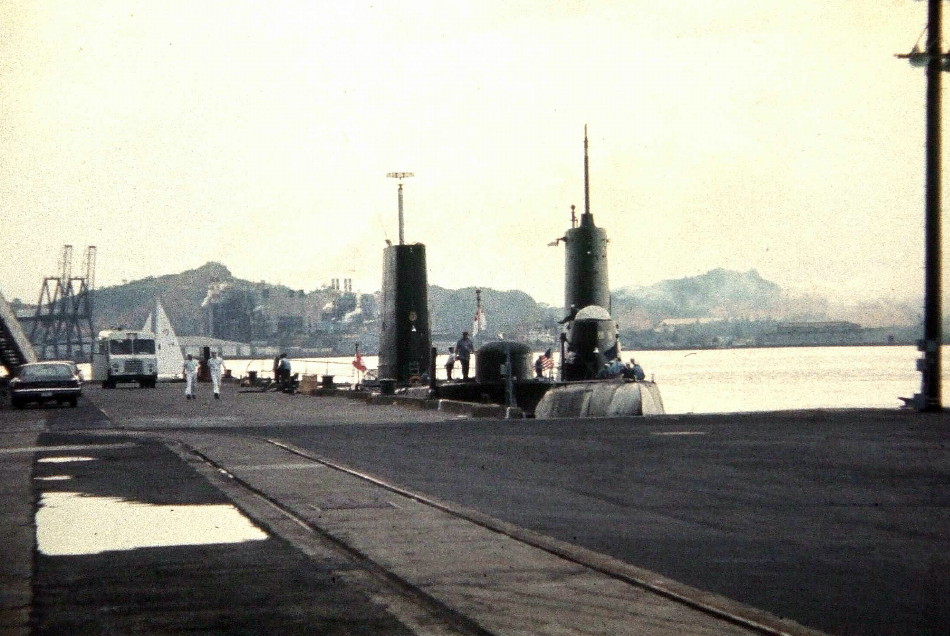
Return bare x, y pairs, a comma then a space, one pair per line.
62, 326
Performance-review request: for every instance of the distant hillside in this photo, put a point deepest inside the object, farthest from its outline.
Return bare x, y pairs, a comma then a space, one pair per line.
729, 295
718, 294
453, 310
128, 305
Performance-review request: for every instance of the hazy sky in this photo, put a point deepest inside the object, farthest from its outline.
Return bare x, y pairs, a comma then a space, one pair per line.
776, 135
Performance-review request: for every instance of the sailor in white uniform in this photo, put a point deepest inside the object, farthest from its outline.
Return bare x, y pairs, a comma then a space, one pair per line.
216, 367
190, 369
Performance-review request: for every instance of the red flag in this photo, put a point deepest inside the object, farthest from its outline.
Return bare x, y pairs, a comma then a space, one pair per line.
358, 362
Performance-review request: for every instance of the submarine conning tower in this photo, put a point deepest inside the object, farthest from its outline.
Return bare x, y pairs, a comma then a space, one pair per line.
404, 337
591, 333
585, 271
585, 267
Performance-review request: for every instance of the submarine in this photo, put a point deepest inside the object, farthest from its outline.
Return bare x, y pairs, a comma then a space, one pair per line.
504, 372
590, 336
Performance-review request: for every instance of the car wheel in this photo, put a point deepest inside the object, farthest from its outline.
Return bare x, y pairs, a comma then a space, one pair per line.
73, 402
15, 403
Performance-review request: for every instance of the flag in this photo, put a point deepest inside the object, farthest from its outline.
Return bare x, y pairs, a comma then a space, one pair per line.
358, 362
479, 323
547, 360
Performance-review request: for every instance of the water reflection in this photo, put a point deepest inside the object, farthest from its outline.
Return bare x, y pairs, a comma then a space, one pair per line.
71, 523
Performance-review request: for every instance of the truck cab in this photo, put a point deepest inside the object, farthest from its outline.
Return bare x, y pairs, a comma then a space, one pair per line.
125, 355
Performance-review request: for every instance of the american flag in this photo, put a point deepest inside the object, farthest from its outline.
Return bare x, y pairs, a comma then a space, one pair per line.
547, 361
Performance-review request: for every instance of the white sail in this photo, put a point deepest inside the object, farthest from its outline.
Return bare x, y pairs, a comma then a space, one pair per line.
167, 348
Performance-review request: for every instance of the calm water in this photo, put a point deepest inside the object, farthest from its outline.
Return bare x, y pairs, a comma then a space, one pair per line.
737, 380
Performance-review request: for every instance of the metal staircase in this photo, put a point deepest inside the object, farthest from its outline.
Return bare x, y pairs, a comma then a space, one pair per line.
15, 347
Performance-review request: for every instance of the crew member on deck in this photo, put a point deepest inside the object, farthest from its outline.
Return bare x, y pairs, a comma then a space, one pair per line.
464, 349
634, 371
450, 363
283, 369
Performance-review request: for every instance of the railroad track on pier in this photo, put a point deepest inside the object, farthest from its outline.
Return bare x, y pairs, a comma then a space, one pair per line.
319, 504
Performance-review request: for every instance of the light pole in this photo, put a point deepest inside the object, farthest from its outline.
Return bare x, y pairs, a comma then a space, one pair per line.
929, 366
400, 176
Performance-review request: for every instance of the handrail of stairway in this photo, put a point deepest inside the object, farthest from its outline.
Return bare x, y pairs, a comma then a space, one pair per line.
23, 349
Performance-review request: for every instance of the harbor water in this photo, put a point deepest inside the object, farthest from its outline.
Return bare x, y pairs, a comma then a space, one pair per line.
730, 380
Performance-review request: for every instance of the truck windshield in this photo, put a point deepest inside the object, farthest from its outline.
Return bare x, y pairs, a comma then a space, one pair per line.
130, 346
120, 347
145, 346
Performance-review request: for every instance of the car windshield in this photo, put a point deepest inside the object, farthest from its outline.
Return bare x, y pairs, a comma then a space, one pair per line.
46, 372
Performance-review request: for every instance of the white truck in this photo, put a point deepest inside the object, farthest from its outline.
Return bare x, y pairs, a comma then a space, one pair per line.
125, 355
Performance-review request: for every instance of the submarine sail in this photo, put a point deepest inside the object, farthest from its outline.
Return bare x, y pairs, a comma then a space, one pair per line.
585, 270
591, 333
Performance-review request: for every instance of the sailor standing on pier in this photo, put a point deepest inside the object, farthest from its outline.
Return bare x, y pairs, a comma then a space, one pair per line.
190, 370
464, 349
216, 367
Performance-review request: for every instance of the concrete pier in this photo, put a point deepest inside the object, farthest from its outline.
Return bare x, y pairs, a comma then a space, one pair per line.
382, 519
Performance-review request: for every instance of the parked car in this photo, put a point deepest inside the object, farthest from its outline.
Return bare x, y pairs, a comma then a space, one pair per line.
42, 382
74, 367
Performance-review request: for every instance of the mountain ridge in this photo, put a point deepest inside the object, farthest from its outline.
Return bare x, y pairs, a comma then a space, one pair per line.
719, 294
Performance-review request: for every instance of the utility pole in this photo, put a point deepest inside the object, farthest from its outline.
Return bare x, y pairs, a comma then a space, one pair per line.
400, 176
933, 56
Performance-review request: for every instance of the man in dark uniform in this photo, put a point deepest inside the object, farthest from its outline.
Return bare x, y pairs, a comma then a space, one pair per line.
464, 349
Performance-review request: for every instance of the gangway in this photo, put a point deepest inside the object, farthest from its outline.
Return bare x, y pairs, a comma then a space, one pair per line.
15, 347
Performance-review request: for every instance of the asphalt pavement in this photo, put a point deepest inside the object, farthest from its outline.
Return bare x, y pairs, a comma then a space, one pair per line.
837, 519
394, 520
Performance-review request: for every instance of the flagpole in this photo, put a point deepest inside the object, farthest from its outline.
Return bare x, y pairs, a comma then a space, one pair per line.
477, 323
